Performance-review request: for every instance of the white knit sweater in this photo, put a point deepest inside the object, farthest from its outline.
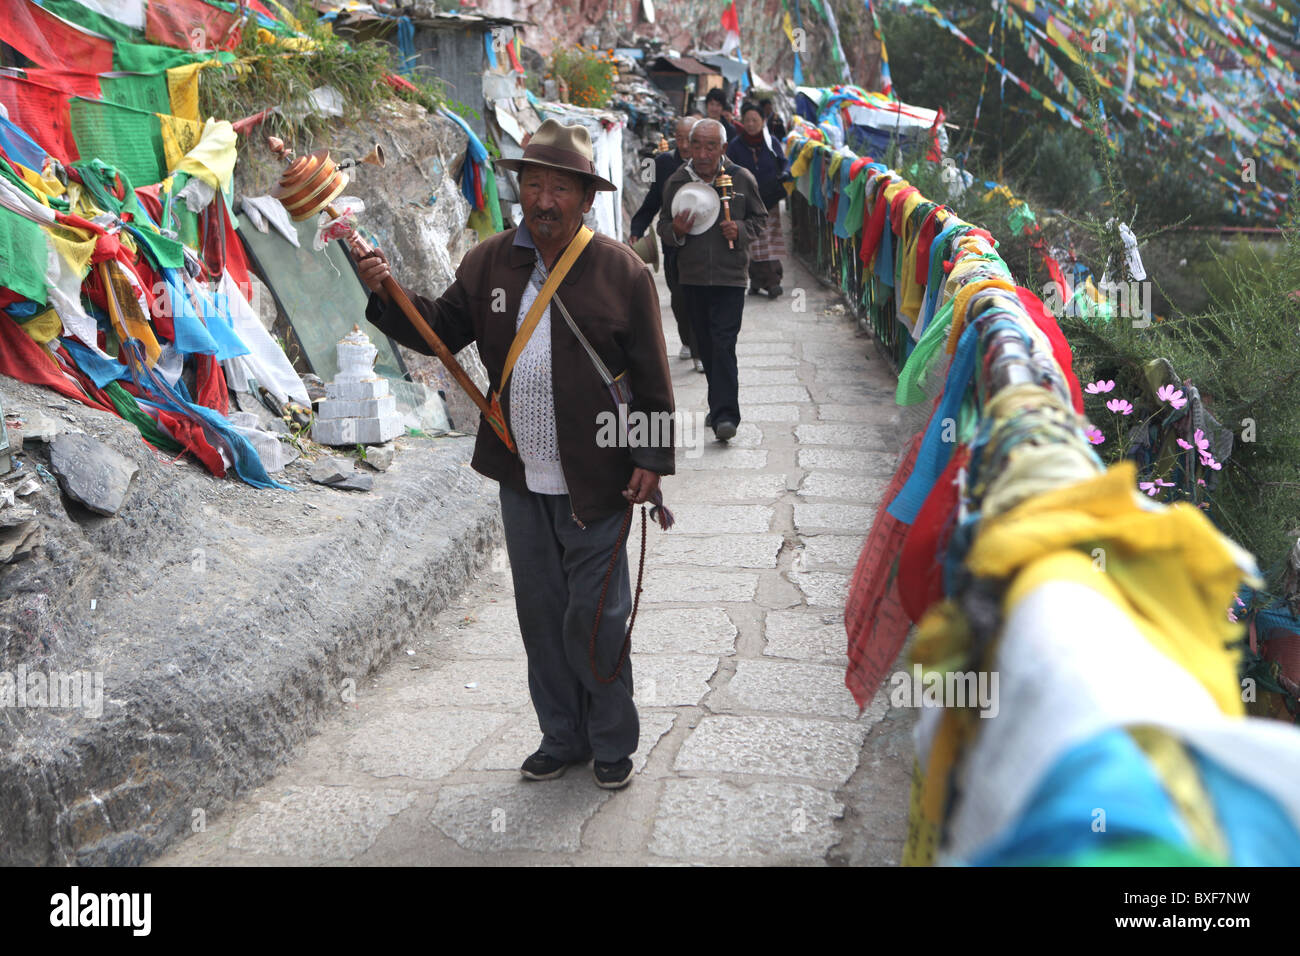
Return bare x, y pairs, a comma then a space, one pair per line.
532, 399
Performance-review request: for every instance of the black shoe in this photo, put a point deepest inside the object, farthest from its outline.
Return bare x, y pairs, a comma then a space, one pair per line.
775, 291
708, 421
755, 291
724, 431
542, 766
613, 776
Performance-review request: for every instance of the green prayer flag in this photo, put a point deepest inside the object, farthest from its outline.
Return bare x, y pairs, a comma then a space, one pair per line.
95, 22
22, 256
140, 91
128, 139
130, 410
148, 58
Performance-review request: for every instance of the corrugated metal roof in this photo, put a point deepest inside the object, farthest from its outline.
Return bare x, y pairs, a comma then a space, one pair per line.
685, 64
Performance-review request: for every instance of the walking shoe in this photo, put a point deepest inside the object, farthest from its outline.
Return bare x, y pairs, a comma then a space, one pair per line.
542, 766
699, 366
724, 431
755, 290
708, 420
775, 291
613, 776
685, 353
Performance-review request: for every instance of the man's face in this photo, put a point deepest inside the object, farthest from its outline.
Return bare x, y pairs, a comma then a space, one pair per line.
713, 108
706, 150
553, 202
684, 138
752, 121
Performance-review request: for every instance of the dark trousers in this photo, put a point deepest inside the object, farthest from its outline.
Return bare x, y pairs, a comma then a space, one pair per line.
715, 313
558, 569
766, 274
681, 313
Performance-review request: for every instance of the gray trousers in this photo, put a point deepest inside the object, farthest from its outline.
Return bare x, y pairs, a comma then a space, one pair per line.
558, 569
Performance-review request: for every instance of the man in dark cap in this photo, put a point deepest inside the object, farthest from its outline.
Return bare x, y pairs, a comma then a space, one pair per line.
566, 494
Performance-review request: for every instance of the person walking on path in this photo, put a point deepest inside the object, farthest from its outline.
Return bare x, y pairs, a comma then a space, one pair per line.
713, 265
567, 495
716, 108
757, 151
667, 163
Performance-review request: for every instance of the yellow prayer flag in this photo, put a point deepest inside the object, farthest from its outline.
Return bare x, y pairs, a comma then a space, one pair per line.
183, 88
179, 137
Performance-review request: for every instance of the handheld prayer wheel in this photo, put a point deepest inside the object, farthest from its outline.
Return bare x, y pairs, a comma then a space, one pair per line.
723, 184
308, 186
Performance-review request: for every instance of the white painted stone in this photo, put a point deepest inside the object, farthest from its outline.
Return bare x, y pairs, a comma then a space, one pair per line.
371, 408
357, 391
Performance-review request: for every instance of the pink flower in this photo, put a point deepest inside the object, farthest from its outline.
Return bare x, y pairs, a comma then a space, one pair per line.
1094, 435
1172, 395
1202, 442
1120, 405
1208, 461
1183, 444
1232, 617
1153, 487
1201, 482
1099, 386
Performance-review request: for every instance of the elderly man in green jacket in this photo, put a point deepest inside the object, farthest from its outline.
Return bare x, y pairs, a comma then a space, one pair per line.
566, 493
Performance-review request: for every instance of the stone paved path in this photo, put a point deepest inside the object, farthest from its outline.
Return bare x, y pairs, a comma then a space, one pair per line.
752, 750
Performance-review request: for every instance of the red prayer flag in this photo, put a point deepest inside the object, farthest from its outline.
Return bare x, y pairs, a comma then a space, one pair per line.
51, 41
874, 618
730, 19
23, 359
190, 25
42, 112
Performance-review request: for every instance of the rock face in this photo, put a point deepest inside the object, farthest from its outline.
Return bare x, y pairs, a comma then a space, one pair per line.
225, 621
415, 213
91, 473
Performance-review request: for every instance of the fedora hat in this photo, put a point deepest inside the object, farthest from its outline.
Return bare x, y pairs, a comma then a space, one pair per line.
560, 147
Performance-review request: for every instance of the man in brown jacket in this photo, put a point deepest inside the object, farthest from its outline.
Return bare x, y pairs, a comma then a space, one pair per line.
565, 495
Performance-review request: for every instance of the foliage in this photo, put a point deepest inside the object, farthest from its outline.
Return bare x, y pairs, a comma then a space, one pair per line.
1240, 353
589, 72
273, 71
